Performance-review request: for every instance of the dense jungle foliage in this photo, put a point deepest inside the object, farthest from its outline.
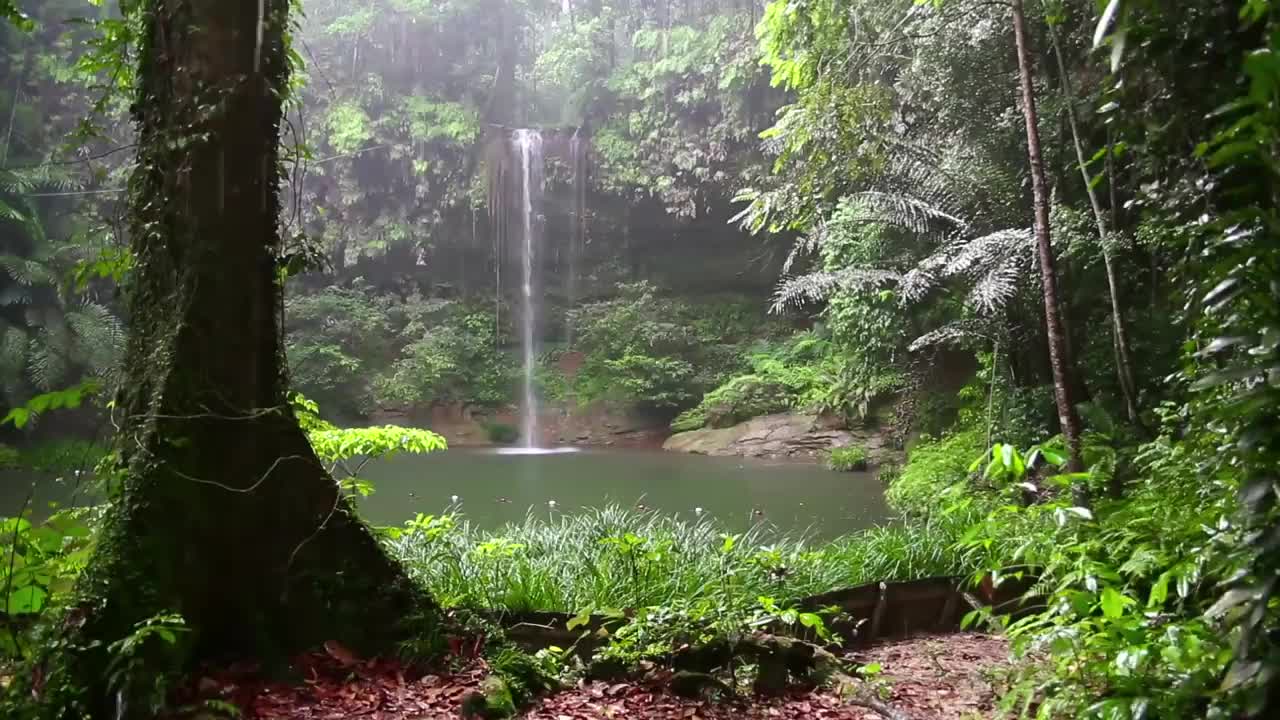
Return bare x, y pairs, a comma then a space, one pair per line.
1035, 245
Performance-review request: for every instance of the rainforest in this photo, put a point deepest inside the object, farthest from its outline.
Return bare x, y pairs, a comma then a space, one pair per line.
654, 359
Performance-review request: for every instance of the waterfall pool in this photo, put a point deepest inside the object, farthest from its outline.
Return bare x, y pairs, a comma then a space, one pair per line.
495, 486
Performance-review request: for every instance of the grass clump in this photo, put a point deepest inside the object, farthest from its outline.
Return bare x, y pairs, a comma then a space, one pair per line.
847, 459
617, 557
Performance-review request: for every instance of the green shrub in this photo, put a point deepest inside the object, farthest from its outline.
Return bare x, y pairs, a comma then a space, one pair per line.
847, 459
337, 338
932, 466
663, 352
743, 398
692, 419
451, 360
806, 372
501, 433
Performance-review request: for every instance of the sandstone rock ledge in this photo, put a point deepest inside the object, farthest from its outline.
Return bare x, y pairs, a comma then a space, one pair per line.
782, 435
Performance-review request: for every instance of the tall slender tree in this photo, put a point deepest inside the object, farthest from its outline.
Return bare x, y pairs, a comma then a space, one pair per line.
224, 514
1119, 333
1063, 386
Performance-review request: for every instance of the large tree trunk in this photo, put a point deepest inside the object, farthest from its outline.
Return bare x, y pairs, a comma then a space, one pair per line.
1058, 357
224, 515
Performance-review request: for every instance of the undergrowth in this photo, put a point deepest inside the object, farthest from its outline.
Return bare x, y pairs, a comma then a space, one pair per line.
617, 557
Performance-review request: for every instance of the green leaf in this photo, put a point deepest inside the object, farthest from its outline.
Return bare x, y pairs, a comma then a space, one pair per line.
1113, 602
27, 600
1159, 591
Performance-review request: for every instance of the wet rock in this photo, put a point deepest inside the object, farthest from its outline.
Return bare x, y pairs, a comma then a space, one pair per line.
781, 435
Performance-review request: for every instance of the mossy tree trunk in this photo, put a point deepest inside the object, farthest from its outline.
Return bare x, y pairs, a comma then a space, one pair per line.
224, 514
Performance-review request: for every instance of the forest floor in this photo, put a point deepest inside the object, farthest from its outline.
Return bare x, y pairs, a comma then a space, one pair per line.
926, 678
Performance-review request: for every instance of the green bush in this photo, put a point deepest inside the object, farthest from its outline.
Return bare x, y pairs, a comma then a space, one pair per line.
847, 459
806, 371
932, 466
501, 433
692, 419
337, 337
663, 352
452, 358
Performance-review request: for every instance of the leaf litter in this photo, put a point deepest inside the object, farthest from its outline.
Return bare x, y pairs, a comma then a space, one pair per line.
939, 677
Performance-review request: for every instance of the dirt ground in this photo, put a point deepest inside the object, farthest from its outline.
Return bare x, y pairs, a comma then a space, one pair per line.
924, 678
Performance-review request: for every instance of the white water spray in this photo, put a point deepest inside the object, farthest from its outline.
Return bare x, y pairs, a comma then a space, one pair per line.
528, 144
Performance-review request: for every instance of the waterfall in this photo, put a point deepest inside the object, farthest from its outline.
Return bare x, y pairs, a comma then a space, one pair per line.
528, 147
578, 164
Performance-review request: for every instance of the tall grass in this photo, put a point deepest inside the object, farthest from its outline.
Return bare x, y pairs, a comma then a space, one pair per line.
618, 558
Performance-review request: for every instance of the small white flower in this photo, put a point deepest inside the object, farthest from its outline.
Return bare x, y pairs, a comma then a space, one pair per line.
453, 498
697, 511
552, 503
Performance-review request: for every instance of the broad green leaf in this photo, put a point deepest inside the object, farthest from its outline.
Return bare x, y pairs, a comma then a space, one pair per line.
1113, 602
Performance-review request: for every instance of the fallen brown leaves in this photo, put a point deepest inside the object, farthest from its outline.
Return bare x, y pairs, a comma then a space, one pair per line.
931, 678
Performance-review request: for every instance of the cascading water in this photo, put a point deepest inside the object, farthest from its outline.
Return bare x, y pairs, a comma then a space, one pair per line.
578, 164
528, 148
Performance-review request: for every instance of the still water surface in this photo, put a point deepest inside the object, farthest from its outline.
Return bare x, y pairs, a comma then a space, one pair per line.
494, 488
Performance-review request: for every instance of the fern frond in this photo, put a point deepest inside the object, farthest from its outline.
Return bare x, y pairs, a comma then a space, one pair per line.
997, 248
904, 211
15, 295
47, 357
995, 288
13, 353
818, 286
26, 271
8, 212
953, 332
99, 338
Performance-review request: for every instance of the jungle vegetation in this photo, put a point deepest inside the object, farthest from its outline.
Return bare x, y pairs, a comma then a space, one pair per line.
225, 225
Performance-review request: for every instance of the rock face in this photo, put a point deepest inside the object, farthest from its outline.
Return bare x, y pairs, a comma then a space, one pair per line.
600, 423
782, 435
